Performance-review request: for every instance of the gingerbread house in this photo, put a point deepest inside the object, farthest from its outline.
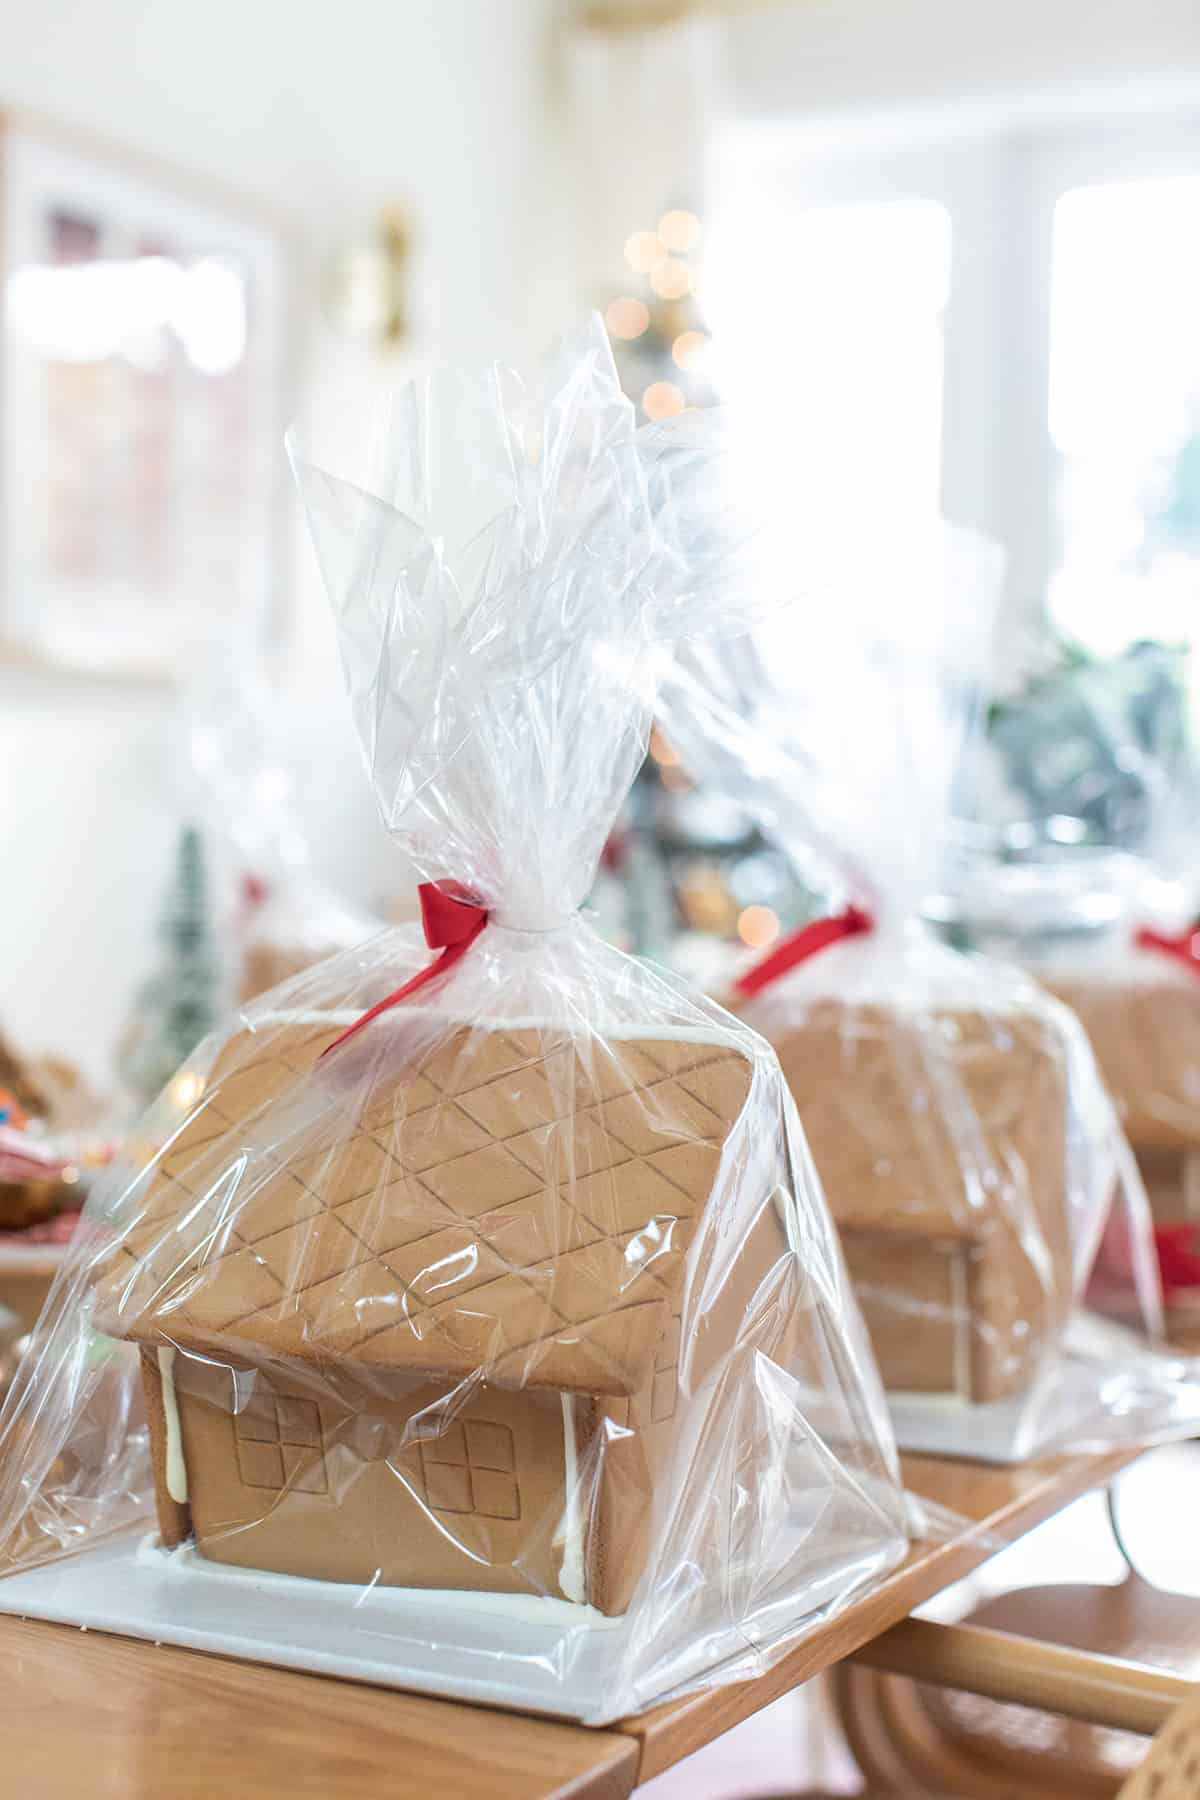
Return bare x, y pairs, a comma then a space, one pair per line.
421, 1328
940, 1139
1142, 1014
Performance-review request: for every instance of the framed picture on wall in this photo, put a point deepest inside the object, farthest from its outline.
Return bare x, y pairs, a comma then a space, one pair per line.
142, 393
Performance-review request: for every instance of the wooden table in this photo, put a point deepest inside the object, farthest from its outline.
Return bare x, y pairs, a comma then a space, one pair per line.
82, 1712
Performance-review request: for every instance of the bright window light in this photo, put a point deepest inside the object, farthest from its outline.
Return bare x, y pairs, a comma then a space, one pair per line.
1125, 411
827, 342
88, 312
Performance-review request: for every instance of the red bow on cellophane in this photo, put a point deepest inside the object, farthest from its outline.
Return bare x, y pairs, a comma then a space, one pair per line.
452, 918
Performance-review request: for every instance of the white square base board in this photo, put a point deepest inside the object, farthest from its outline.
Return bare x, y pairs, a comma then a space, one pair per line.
536, 1655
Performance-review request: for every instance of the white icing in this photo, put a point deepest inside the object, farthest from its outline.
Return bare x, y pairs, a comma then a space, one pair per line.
734, 1036
960, 1305
177, 1481
571, 1575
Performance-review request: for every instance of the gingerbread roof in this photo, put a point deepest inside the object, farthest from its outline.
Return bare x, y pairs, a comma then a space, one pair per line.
520, 1201
925, 1122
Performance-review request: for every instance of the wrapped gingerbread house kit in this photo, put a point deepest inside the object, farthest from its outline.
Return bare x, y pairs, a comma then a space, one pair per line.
1136, 988
278, 915
968, 1150
1099, 901
488, 1327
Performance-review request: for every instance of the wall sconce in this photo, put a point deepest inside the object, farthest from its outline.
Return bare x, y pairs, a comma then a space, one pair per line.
366, 285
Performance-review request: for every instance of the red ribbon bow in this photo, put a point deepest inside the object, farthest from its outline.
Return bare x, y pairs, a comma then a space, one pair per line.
798, 946
1178, 1249
452, 918
1185, 948
1178, 1245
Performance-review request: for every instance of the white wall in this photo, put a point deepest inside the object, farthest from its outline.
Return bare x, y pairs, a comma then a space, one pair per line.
318, 114
826, 56
322, 113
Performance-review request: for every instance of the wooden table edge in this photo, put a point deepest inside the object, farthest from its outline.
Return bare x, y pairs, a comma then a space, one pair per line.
612, 1756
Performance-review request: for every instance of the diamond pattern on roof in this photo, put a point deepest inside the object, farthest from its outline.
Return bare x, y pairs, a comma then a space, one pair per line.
516, 1202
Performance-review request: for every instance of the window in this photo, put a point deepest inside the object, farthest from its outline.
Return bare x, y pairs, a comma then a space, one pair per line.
1003, 321
828, 332
1124, 410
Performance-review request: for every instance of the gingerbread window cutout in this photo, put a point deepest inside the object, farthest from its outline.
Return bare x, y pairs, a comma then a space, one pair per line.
471, 1468
280, 1446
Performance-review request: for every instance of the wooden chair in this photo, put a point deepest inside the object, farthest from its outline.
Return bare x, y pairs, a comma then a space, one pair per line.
1169, 1770
914, 1735
1025, 1700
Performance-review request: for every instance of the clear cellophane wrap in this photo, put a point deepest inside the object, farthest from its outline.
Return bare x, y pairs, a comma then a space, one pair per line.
278, 913
501, 1344
1136, 989
1076, 855
987, 1200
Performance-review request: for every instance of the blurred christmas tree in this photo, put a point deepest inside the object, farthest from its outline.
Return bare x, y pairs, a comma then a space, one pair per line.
691, 866
660, 339
180, 1001
1082, 754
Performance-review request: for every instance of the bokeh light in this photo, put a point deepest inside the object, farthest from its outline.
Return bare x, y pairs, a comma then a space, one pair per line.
644, 251
758, 926
186, 1089
679, 230
661, 750
627, 318
671, 278
690, 349
662, 400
